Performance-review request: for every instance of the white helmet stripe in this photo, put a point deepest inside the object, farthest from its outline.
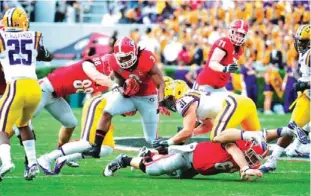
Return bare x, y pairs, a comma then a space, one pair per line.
10, 13
242, 25
120, 44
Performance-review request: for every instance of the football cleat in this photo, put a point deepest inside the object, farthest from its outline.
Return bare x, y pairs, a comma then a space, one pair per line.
31, 172
142, 153
59, 164
270, 165
298, 132
72, 164
114, 165
260, 138
45, 164
296, 153
6, 168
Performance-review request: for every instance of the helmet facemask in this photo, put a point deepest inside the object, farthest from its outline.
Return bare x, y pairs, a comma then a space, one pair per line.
302, 45
237, 37
254, 159
126, 60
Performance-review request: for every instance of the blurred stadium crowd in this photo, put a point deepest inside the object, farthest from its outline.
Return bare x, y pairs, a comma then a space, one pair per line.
185, 32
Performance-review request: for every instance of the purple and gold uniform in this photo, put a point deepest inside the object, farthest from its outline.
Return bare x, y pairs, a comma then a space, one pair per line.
249, 75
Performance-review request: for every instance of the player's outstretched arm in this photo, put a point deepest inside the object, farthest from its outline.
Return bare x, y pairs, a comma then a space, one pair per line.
157, 78
189, 122
215, 65
239, 158
90, 70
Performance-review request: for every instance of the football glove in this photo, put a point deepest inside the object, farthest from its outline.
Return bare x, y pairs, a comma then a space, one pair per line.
301, 86
162, 109
131, 87
230, 68
250, 174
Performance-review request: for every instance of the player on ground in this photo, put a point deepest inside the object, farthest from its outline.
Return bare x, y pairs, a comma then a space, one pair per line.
141, 88
225, 109
72, 151
301, 113
19, 51
204, 158
222, 59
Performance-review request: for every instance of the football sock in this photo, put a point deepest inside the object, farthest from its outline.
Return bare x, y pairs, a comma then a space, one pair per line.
307, 127
248, 135
277, 151
75, 156
284, 131
5, 154
142, 166
127, 161
296, 144
99, 137
30, 150
69, 148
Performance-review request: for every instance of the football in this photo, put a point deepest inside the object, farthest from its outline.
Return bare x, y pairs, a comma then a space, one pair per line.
131, 87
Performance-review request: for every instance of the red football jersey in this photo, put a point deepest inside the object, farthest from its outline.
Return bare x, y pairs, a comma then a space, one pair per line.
146, 61
72, 79
211, 158
217, 79
2, 83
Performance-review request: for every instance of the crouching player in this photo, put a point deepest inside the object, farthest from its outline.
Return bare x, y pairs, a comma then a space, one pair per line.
205, 158
72, 151
225, 110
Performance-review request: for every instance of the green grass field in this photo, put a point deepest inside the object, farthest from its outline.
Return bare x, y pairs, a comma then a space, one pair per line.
291, 178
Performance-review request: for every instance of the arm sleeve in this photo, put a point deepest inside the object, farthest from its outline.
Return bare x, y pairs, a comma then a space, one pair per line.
91, 71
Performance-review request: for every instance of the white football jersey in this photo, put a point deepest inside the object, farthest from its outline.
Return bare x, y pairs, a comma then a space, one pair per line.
305, 69
209, 104
18, 52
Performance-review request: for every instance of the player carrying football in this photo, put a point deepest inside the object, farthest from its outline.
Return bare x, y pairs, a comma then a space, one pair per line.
19, 51
222, 59
141, 88
301, 114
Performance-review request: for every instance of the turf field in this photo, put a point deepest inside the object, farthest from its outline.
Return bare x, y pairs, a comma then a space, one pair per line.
291, 178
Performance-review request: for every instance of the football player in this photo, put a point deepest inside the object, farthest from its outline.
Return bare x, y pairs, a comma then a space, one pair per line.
72, 151
19, 51
205, 158
301, 112
222, 59
141, 88
90, 75
225, 109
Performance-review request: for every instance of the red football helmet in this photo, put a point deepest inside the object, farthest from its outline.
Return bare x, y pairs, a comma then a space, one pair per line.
125, 51
237, 32
254, 154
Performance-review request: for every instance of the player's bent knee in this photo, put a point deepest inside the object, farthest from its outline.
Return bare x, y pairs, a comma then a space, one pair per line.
71, 123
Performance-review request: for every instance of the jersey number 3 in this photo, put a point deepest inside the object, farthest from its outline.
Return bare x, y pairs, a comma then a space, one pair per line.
83, 86
18, 48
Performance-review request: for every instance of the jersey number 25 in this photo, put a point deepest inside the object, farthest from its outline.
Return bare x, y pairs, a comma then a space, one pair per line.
19, 47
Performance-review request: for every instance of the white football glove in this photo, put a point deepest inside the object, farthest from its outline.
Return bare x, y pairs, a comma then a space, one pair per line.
250, 174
